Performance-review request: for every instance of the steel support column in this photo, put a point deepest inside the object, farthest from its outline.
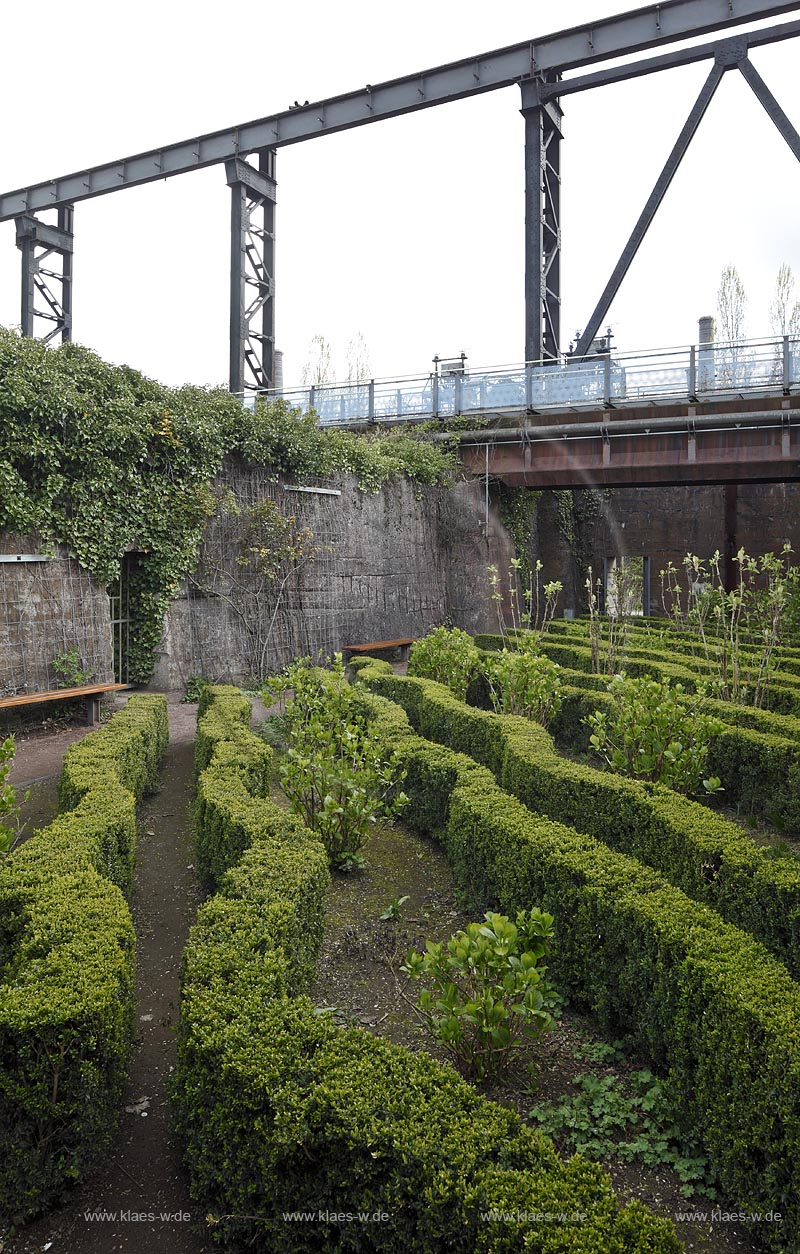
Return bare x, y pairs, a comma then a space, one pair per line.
252, 321
39, 242
542, 223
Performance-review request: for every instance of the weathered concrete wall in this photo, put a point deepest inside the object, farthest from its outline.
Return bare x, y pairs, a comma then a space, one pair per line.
665, 524
392, 563
46, 609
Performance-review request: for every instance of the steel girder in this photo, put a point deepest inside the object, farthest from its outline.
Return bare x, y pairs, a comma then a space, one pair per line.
542, 224
252, 322
39, 242
729, 54
591, 43
536, 65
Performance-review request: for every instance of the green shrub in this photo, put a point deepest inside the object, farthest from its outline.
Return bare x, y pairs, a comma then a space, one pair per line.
67, 966
489, 990
277, 1106
653, 734
69, 670
448, 655
127, 750
333, 773
223, 729
10, 826
709, 1005
523, 682
195, 685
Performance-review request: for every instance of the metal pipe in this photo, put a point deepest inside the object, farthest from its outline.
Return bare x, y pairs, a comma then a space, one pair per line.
626, 426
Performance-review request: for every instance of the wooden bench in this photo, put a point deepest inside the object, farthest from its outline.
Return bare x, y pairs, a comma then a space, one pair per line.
92, 693
377, 646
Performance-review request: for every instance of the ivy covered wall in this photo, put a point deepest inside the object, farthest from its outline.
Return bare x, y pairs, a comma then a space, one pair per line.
105, 462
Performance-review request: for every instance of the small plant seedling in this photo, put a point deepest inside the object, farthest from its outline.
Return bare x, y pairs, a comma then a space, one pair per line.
394, 908
71, 673
626, 1119
195, 686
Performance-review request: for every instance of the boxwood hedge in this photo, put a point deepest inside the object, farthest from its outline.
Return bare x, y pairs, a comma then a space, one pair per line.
705, 1001
67, 966
282, 1111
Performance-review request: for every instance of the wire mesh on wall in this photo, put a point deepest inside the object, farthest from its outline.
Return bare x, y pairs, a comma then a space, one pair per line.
240, 629
47, 608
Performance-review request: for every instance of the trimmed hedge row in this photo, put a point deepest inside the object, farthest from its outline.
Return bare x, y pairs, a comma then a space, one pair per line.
783, 697
280, 1110
757, 756
701, 998
661, 633
67, 966
705, 856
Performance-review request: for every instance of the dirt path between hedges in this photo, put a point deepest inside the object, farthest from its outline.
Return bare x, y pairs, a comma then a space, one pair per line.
142, 1175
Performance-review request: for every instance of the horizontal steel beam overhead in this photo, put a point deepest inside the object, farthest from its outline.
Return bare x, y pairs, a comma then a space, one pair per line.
666, 61
620, 35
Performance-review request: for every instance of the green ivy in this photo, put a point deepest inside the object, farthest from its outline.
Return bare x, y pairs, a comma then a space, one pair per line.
517, 508
105, 461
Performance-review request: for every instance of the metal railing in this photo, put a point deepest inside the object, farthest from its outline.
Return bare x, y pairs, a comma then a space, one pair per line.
695, 372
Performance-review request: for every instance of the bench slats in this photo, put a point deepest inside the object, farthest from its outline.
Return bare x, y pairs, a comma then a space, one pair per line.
376, 645
59, 694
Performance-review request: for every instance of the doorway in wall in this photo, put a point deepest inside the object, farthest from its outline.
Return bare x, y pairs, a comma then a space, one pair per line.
119, 598
627, 586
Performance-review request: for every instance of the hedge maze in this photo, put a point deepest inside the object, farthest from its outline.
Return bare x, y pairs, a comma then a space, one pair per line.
67, 965
282, 1111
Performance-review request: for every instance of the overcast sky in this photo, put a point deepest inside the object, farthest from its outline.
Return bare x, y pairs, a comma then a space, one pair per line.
409, 231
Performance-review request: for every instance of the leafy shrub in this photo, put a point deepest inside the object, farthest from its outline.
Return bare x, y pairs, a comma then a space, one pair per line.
488, 990
524, 682
655, 734
275, 1104
194, 688
71, 673
9, 808
334, 775
67, 953
448, 655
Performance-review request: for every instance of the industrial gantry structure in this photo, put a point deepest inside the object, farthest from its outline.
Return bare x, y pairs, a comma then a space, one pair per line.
248, 153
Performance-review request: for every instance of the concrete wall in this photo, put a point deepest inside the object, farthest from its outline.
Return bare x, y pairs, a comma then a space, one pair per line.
392, 563
46, 609
666, 523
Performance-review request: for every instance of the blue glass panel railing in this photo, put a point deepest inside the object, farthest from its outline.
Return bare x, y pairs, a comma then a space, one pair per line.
620, 379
